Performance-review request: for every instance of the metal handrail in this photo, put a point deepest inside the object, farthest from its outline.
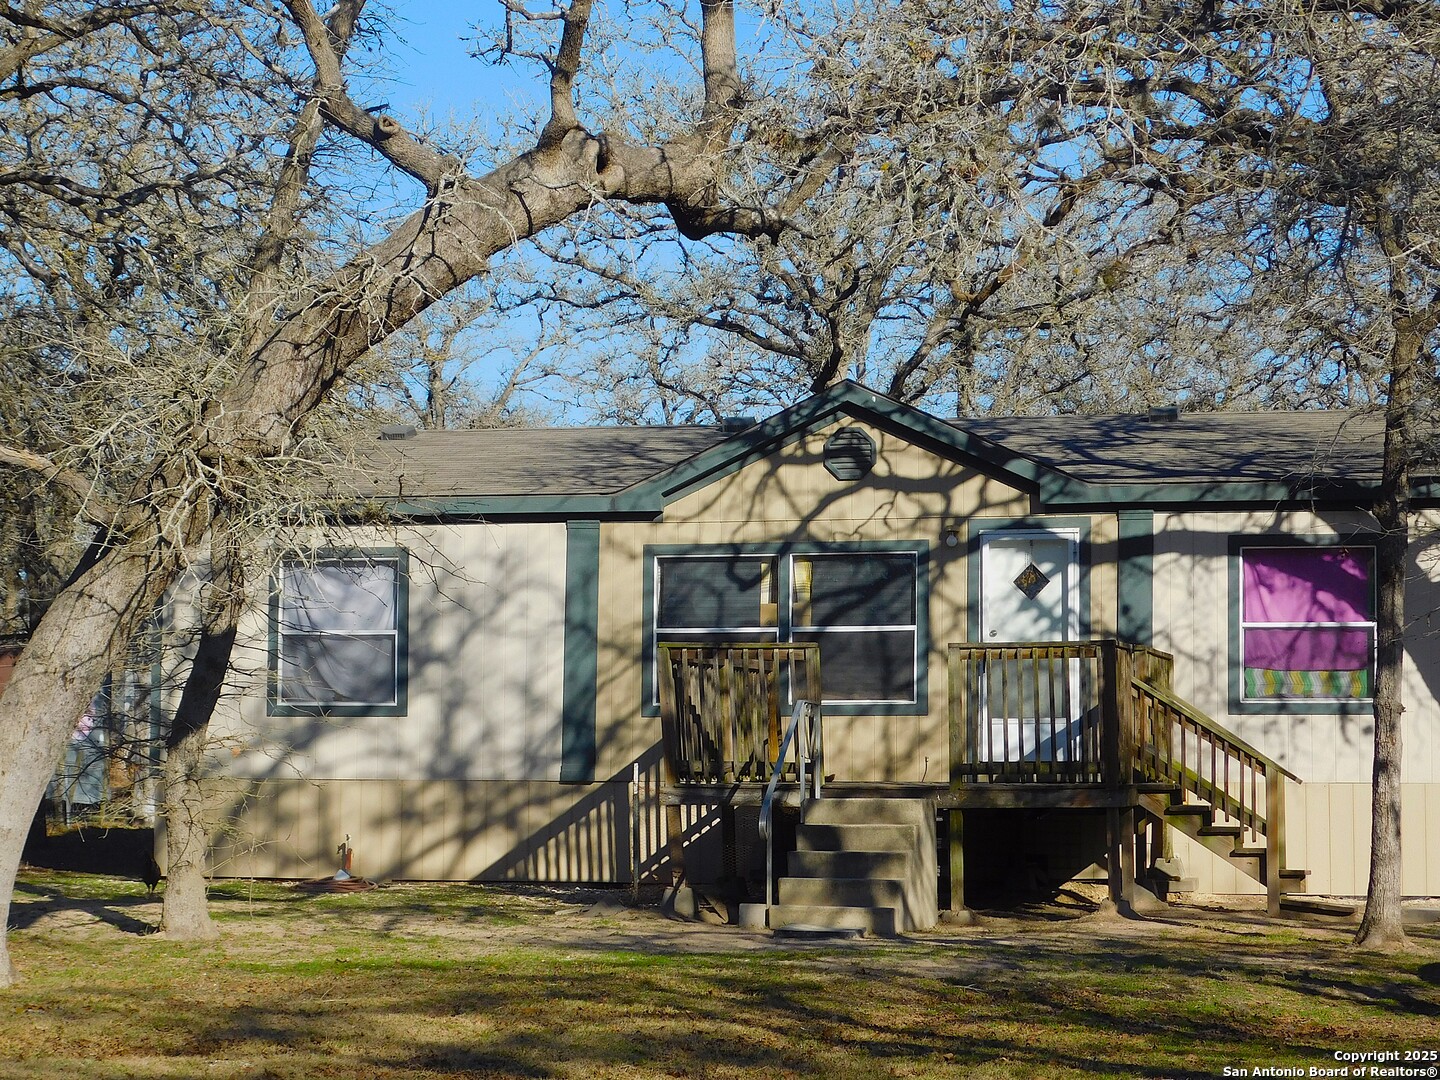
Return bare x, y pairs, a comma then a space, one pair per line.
809, 750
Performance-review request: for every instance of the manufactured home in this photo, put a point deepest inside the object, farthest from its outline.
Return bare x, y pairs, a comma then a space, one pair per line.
1143, 643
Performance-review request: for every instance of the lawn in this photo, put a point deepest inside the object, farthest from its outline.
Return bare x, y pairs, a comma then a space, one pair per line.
445, 981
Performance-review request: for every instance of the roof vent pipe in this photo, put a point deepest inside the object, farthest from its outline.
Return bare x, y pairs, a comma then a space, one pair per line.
1164, 414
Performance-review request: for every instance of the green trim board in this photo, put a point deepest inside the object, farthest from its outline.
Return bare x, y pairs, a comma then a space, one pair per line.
401, 558
582, 655
1135, 577
1235, 667
548, 507
976, 528
780, 550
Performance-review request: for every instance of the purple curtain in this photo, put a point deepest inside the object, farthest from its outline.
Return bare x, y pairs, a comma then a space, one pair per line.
1307, 585
1321, 648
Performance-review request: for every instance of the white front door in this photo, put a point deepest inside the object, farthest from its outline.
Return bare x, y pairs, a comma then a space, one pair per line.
1029, 591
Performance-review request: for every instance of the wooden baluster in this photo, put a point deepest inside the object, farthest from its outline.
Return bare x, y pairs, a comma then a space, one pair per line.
1058, 758
1035, 655
773, 705
1214, 766
1005, 710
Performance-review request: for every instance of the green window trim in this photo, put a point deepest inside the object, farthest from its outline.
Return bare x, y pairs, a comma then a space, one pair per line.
782, 556
1238, 704
400, 559
580, 678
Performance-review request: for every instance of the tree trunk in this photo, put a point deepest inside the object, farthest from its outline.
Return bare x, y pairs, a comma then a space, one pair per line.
185, 916
83, 635
1382, 926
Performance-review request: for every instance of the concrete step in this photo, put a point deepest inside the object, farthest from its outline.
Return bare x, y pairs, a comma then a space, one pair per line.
849, 864
872, 920
887, 837
853, 811
843, 892
1315, 905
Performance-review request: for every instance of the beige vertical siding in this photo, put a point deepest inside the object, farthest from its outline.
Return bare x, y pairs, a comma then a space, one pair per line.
1329, 814
1329, 835
486, 637
910, 495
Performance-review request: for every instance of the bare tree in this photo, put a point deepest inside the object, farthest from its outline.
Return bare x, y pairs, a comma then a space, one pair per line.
300, 342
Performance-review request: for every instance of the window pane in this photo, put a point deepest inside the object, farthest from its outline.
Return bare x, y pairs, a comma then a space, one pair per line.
856, 590
710, 592
1308, 648
335, 669
868, 665
1307, 584
350, 595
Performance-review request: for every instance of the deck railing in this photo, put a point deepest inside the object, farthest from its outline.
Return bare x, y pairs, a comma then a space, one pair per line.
1047, 712
721, 706
1180, 744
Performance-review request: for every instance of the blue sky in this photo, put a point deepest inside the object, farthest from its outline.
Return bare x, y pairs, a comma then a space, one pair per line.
430, 55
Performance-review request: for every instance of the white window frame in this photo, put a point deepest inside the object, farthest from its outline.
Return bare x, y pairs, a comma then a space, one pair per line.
396, 634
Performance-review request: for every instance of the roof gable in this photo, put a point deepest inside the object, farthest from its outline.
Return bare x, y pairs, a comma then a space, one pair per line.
849, 399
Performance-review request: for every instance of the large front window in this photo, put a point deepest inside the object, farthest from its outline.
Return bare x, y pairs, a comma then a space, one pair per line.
862, 607
338, 636
1307, 623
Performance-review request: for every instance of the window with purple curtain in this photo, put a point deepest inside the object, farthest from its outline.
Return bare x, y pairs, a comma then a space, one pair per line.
1307, 623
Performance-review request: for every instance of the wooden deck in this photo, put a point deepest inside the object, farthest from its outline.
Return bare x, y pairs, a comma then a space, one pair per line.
1033, 725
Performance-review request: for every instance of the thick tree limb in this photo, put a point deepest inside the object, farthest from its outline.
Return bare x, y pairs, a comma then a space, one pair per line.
97, 506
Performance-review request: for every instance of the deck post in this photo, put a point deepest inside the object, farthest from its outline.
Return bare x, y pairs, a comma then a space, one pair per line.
1274, 838
1120, 854
1110, 769
956, 840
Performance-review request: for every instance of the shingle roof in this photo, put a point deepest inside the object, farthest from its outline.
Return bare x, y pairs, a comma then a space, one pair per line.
529, 461
1197, 447
1194, 448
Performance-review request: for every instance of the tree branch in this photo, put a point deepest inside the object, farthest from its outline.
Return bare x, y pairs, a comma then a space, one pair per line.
563, 70
383, 133
97, 506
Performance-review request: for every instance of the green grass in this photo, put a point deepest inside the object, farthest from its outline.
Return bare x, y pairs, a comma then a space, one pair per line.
447, 981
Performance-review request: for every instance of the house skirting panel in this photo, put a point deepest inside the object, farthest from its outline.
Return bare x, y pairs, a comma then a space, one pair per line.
1329, 835
436, 830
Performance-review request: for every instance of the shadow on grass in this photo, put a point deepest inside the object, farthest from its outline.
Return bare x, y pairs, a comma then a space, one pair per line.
1082, 1005
112, 910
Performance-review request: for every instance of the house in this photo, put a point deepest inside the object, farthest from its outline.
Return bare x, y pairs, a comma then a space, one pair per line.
475, 693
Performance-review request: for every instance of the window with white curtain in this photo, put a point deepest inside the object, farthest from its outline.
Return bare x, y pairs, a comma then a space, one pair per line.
339, 635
